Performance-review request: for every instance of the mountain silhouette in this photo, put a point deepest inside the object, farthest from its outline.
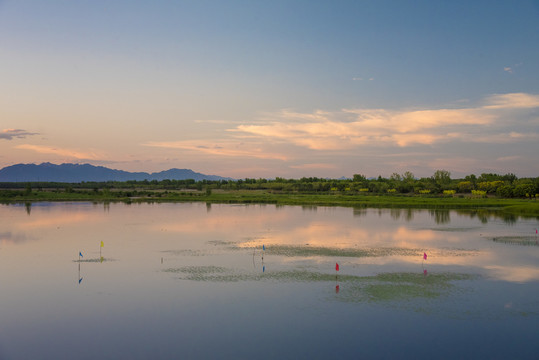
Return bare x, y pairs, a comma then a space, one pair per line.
75, 173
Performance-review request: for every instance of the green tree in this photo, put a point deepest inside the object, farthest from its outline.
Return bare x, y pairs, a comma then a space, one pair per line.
505, 191
408, 176
442, 179
359, 178
524, 189
395, 177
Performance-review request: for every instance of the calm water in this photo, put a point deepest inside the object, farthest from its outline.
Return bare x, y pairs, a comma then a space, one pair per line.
194, 281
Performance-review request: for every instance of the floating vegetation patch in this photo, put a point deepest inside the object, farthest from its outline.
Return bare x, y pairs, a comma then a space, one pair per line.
198, 273
455, 229
94, 260
404, 286
458, 252
197, 270
381, 287
517, 240
220, 274
322, 251
290, 251
221, 242
414, 291
186, 252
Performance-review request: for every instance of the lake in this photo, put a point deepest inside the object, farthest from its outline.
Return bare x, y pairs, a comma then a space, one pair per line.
209, 281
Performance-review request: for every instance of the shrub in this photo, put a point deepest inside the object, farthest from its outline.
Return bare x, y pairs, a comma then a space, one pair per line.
479, 193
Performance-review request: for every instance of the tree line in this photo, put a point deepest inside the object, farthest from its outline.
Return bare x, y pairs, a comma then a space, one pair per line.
440, 183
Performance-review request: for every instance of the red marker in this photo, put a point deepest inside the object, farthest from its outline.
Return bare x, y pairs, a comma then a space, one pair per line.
424, 256
336, 266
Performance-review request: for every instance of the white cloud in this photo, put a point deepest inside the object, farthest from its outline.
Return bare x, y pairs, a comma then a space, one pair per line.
512, 101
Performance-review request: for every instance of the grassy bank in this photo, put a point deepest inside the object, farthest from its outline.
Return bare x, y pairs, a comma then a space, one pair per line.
522, 207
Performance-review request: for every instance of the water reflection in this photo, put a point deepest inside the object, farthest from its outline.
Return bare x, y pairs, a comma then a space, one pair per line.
406, 214
395, 270
441, 216
8, 237
79, 277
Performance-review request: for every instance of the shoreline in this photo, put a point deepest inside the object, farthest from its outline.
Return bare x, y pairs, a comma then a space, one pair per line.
521, 207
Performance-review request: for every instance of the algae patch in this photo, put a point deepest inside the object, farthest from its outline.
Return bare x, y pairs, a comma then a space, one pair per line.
94, 260
517, 240
386, 287
307, 251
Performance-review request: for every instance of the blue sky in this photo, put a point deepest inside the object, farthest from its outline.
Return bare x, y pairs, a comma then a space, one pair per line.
280, 88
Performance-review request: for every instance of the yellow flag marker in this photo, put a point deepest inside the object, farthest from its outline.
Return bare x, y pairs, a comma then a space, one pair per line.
102, 244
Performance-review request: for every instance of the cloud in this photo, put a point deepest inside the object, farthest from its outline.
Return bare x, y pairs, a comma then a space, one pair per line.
350, 128
469, 136
511, 69
314, 166
10, 134
61, 152
512, 101
509, 158
222, 148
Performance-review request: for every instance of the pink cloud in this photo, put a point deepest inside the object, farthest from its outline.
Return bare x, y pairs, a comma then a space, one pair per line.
61, 152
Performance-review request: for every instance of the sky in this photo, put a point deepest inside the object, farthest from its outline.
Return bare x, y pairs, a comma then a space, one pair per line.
264, 89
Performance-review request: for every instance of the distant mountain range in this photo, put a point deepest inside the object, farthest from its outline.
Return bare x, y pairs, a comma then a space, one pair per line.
75, 173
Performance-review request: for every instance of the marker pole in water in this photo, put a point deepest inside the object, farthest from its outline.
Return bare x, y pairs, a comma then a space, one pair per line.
336, 278
80, 279
80, 256
100, 247
263, 251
